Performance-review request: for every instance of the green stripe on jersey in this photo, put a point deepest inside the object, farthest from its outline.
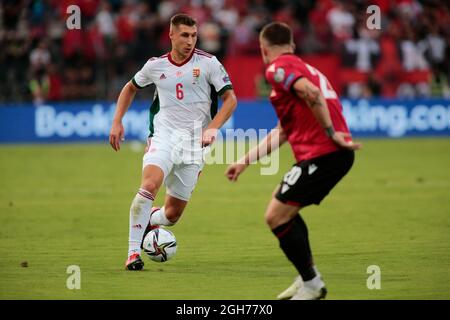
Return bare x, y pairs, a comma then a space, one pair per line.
138, 86
214, 102
135, 84
154, 109
215, 99
225, 88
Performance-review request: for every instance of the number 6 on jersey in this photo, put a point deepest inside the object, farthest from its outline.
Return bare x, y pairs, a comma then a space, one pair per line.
180, 94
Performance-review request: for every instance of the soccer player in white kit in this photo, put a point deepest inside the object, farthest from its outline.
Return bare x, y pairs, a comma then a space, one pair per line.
183, 120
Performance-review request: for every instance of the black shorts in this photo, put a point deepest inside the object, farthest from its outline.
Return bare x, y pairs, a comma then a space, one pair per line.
309, 181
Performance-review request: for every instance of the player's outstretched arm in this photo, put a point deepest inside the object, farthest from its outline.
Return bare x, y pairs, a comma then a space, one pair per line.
228, 106
117, 133
318, 105
271, 142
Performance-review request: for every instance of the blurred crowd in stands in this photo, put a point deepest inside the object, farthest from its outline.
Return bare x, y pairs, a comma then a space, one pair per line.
42, 60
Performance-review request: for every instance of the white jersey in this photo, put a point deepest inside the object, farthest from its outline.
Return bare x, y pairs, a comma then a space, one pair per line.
186, 94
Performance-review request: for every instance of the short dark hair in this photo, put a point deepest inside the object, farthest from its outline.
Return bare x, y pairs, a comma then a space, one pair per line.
182, 18
277, 33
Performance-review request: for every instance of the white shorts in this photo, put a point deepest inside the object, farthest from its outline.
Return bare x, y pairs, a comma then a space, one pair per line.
180, 177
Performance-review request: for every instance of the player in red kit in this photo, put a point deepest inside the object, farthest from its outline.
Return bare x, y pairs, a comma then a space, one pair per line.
311, 120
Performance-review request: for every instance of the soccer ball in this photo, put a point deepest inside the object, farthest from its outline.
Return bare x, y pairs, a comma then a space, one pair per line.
160, 245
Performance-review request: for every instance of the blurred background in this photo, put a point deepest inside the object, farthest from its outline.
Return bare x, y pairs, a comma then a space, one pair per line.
393, 80
42, 60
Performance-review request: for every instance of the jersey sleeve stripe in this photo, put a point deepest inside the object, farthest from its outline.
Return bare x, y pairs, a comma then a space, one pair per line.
291, 86
135, 84
138, 86
225, 88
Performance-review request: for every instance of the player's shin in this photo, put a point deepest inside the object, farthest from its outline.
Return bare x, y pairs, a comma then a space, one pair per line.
139, 218
304, 228
294, 243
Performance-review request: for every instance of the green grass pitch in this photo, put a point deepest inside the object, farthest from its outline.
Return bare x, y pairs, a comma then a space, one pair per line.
65, 205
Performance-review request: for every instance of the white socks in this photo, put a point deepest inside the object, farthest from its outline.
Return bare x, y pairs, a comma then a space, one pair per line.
139, 218
315, 283
159, 218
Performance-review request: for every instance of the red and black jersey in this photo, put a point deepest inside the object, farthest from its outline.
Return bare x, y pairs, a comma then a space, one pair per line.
306, 136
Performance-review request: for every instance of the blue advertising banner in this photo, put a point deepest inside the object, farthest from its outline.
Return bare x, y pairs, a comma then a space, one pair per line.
398, 118
91, 121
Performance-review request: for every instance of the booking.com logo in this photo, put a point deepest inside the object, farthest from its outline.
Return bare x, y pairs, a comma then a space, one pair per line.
395, 119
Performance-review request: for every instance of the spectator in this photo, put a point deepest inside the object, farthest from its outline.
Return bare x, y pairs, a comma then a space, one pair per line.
389, 67
364, 48
341, 21
413, 57
125, 24
228, 16
245, 37
105, 22
210, 37
40, 56
119, 36
319, 37
167, 9
435, 47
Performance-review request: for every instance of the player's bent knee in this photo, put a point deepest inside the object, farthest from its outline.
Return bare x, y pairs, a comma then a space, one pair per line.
271, 219
277, 218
